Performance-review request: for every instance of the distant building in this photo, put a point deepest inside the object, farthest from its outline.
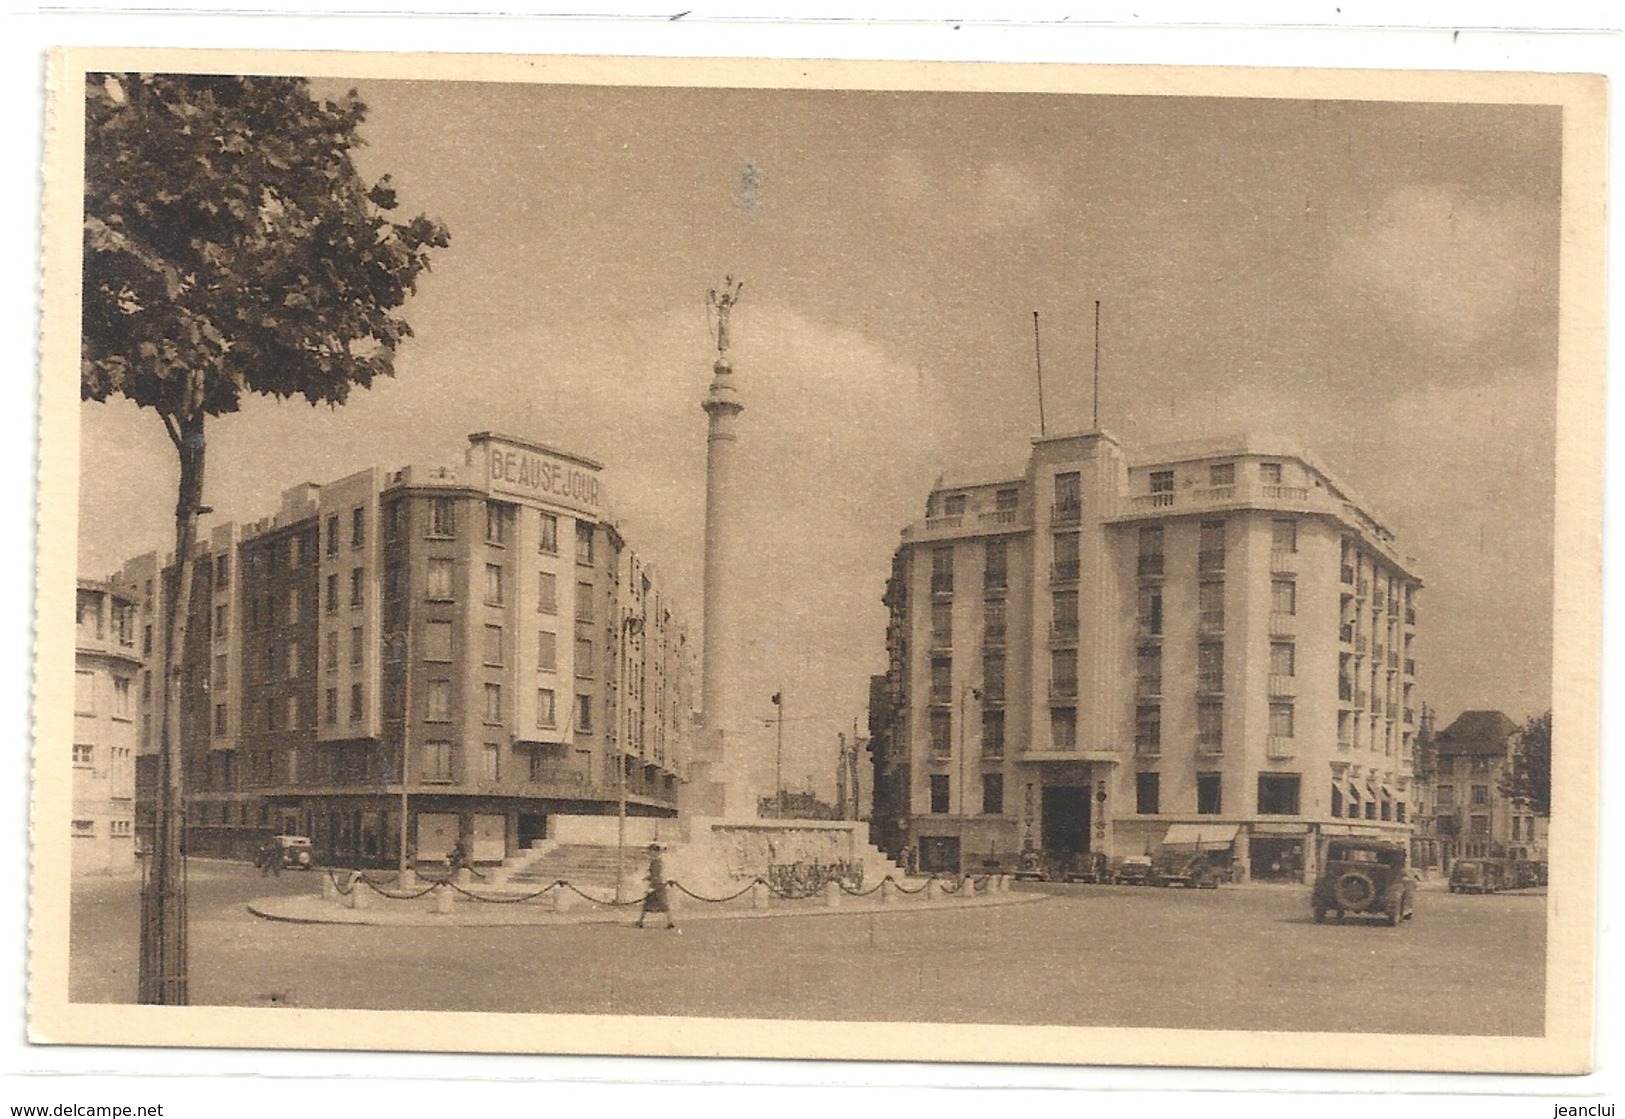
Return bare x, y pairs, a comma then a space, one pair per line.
107, 668
481, 635
1206, 643
1471, 816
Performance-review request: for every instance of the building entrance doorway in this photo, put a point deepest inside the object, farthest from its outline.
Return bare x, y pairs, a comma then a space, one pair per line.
532, 828
1066, 819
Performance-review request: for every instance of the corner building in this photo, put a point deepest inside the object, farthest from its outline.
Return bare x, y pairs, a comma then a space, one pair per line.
1210, 643
479, 638
105, 733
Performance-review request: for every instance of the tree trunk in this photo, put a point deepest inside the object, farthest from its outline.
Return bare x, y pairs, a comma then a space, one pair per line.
163, 971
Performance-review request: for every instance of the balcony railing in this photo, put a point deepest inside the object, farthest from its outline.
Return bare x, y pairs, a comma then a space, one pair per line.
1213, 495
1283, 685
1278, 746
1153, 500
1286, 493
1283, 625
1210, 559
993, 635
997, 517
1064, 631
1283, 562
1064, 571
1150, 566
953, 520
993, 751
1148, 687
1210, 743
1065, 687
1064, 511
1210, 683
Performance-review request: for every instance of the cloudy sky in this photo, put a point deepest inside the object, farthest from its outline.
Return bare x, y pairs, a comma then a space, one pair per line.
1375, 282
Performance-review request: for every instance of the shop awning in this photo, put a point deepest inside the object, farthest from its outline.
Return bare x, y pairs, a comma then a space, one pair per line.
1208, 837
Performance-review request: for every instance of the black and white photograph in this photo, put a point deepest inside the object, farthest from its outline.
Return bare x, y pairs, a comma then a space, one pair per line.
1008, 563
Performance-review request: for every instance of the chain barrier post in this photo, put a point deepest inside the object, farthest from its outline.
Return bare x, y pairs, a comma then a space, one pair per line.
832, 893
886, 895
933, 889
758, 894
330, 888
360, 898
967, 886
409, 879
443, 900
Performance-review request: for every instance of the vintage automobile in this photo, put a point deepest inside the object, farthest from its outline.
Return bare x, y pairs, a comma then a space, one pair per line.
1184, 868
1133, 870
1368, 877
1477, 876
1524, 873
293, 851
1031, 866
1085, 866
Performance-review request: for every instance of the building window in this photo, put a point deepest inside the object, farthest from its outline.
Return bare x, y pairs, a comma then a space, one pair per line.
1064, 672
1151, 611
330, 644
330, 707
1478, 766
332, 534
1162, 481
358, 528
584, 540
442, 516
547, 650
1066, 557
222, 571
332, 602
84, 828
993, 677
294, 600
439, 580
1210, 546
493, 703
437, 641
1283, 596
942, 571
942, 625
993, 734
493, 644
84, 755
1148, 669
1479, 826
355, 703
1446, 796
498, 516
547, 593
942, 735
1269, 473
1064, 605
1284, 534
1281, 720
1221, 474
993, 631
293, 659
356, 586
1068, 495
584, 609
992, 794
583, 658
435, 762
146, 641
1005, 501
942, 670
1150, 554
939, 794
439, 701
584, 714
1209, 802
1481, 796
293, 712
996, 569
1147, 793
1210, 725
1210, 604
549, 539
121, 697
1148, 728
546, 716
222, 618
1283, 658
358, 645
1277, 794
953, 505
493, 584
293, 553
1063, 728
1210, 667
491, 767
220, 724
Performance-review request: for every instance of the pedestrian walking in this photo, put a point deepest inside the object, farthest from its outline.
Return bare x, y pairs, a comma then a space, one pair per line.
658, 899
269, 859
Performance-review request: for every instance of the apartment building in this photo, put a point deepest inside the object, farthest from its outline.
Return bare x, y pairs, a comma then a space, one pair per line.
1471, 817
107, 669
1206, 644
477, 642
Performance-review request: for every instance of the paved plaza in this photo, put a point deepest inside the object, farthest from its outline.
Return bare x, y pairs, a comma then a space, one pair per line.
1235, 958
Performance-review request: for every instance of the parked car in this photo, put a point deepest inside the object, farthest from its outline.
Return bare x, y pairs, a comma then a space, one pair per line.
1031, 866
294, 851
1368, 877
1086, 866
1133, 870
1477, 876
1525, 873
1184, 868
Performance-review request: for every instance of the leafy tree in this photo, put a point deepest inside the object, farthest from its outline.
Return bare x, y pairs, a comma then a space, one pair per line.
1529, 777
230, 248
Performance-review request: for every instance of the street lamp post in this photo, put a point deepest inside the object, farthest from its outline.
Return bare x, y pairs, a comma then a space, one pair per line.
964, 693
631, 625
778, 761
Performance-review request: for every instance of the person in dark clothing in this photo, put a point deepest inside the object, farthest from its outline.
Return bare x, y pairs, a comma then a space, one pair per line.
658, 899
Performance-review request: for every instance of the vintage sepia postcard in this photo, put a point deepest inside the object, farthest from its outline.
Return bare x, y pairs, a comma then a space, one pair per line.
934, 562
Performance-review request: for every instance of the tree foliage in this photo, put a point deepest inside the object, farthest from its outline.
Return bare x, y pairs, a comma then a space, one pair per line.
1529, 777
231, 246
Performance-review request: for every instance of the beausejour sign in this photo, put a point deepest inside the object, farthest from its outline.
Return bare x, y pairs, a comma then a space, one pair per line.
540, 473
